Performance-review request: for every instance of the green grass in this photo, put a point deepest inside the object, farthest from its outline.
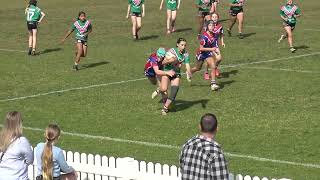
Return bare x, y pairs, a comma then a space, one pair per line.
266, 113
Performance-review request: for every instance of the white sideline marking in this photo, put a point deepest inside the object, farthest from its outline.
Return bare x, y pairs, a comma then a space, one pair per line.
13, 50
281, 69
308, 165
271, 60
140, 79
280, 27
71, 89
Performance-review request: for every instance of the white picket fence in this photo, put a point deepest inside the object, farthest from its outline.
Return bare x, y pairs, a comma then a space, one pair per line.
96, 167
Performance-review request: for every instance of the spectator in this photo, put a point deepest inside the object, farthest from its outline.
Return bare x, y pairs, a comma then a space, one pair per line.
15, 150
202, 157
50, 159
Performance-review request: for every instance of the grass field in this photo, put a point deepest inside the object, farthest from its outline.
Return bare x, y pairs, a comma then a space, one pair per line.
268, 110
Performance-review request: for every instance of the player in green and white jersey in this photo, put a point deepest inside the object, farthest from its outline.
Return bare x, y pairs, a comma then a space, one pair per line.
205, 9
173, 61
82, 28
236, 13
136, 10
289, 14
172, 7
34, 17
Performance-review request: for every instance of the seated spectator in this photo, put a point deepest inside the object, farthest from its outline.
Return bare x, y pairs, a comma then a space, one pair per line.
202, 157
50, 158
15, 150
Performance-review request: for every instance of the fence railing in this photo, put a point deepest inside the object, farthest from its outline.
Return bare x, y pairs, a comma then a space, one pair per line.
96, 167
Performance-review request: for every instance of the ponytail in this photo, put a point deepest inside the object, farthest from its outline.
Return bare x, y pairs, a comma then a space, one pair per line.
52, 134
47, 161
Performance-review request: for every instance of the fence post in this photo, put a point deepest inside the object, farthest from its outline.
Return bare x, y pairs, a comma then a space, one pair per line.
127, 165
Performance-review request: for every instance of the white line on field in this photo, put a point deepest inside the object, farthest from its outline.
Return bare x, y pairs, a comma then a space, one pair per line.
150, 144
71, 89
282, 69
140, 79
13, 50
279, 28
271, 60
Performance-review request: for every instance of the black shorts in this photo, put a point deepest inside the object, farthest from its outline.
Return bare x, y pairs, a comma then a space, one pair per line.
233, 12
32, 25
203, 13
135, 14
292, 25
85, 43
174, 77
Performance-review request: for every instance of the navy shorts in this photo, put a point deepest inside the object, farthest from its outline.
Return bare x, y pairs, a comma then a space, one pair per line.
202, 56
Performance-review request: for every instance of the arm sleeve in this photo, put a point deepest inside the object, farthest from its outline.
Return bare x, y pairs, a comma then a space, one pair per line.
282, 13
27, 151
187, 59
63, 164
298, 11
73, 27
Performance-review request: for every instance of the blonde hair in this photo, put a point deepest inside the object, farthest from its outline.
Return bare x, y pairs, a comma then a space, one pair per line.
11, 130
52, 133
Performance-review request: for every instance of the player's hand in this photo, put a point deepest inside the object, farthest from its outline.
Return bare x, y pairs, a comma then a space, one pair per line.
171, 73
223, 45
160, 8
143, 14
62, 41
127, 16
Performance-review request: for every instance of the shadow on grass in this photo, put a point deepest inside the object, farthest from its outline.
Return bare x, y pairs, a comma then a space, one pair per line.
302, 47
226, 74
92, 65
148, 37
223, 84
181, 105
183, 30
49, 50
246, 35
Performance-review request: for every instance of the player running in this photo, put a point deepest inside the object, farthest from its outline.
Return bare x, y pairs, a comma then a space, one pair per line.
218, 36
236, 13
172, 7
205, 9
136, 10
207, 53
153, 70
34, 17
174, 58
82, 28
289, 14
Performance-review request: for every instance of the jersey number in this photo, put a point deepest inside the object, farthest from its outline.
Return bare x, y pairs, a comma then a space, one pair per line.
29, 16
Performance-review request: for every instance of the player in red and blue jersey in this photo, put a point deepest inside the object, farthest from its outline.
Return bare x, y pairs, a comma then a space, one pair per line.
206, 52
153, 69
218, 36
